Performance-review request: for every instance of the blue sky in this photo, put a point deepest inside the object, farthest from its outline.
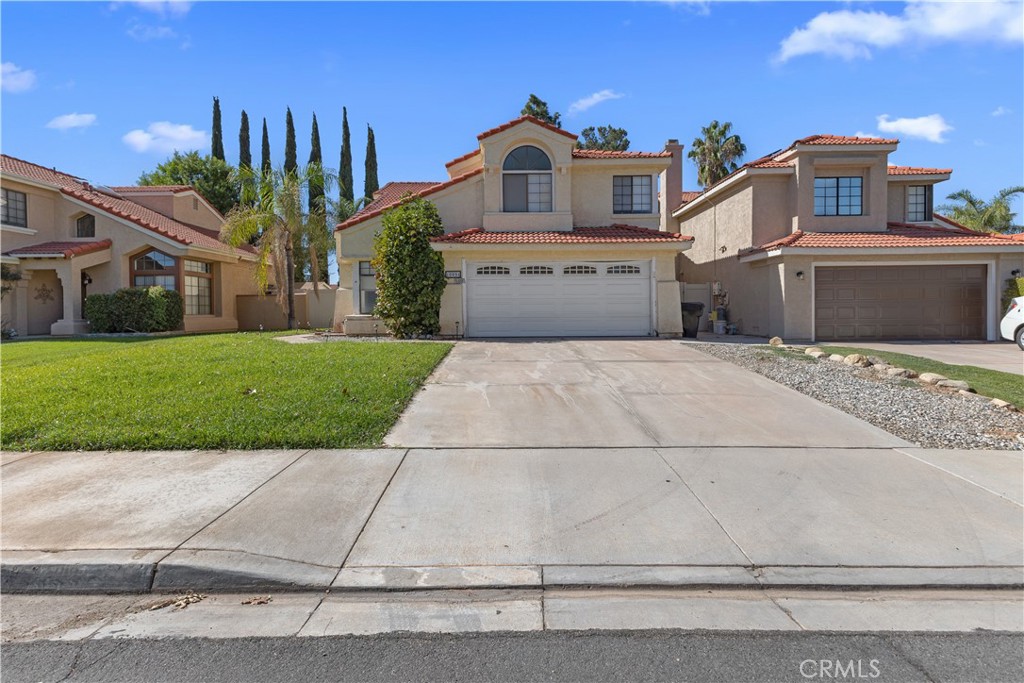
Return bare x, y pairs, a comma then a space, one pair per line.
105, 90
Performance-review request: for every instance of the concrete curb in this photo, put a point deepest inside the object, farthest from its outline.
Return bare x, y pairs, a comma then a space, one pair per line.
143, 571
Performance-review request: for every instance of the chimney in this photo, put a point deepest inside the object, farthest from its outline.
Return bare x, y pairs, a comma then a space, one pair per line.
672, 186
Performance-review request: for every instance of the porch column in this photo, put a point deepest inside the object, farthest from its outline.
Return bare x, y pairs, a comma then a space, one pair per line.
70, 276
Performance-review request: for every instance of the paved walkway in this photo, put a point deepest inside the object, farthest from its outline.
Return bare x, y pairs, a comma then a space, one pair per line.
512, 518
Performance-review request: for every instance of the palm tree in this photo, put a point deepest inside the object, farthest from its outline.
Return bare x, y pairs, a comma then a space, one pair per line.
976, 213
716, 153
278, 217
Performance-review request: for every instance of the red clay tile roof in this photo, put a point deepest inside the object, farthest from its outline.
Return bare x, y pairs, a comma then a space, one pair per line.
610, 234
116, 205
65, 249
897, 235
690, 195
129, 189
917, 170
610, 154
382, 204
768, 162
515, 122
465, 156
844, 140
393, 191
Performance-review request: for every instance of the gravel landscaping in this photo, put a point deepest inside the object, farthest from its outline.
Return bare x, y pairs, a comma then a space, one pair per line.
925, 415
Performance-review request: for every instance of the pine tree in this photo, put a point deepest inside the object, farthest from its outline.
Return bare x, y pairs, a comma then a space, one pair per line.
244, 149
371, 184
538, 108
316, 195
217, 143
291, 164
345, 174
265, 166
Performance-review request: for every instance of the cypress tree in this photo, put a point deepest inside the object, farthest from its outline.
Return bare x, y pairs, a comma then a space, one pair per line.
244, 149
371, 184
345, 174
217, 143
291, 164
265, 166
316, 197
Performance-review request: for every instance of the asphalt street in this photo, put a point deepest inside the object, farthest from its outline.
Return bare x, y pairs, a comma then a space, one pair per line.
550, 656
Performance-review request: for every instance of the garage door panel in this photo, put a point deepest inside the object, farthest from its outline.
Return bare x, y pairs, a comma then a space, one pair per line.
575, 299
900, 302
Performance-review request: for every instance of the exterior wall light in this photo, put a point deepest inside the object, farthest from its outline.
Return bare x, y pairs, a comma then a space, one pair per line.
1015, 272
799, 275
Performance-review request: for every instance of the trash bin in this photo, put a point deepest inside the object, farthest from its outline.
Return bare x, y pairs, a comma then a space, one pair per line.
692, 311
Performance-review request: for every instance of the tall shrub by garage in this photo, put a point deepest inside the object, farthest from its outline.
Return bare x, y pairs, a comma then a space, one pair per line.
410, 274
1014, 288
148, 309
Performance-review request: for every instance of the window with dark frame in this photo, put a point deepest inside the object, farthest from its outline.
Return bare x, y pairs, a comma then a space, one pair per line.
15, 209
85, 226
919, 203
840, 196
367, 287
632, 194
154, 269
527, 181
198, 287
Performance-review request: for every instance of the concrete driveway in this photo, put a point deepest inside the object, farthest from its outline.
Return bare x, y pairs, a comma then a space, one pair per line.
615, 393
1001, 356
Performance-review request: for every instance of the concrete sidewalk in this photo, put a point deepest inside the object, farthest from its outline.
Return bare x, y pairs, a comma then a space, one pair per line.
395, 519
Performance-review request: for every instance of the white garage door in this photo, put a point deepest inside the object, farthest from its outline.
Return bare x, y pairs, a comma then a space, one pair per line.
548, 299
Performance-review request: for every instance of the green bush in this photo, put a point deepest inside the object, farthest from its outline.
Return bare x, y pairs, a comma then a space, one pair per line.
147, 309
1014, 288
410, 274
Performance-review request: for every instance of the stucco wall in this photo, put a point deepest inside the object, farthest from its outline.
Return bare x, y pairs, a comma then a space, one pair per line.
592, 196
52, 216
872, 167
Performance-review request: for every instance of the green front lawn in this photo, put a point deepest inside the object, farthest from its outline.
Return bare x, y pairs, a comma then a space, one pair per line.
986, 382
215, 391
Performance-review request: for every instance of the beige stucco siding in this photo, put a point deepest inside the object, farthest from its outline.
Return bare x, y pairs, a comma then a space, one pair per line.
592, 196
52, 217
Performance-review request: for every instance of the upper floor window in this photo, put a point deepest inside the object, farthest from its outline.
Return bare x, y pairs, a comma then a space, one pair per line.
526, 180
919, 203
85, 226
154, 269
632, 194
14, 209
838, 196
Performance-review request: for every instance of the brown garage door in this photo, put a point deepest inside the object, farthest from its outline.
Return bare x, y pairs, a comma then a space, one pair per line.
900, 302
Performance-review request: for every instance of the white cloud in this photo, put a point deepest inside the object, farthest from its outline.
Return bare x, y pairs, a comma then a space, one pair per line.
68, 121
931, 127
15, 79
1001, 111
589, 101
166, 137
854, 34
145, 32
163, 8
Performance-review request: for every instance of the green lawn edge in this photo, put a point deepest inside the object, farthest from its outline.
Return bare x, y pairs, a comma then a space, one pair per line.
993, 383
244, 391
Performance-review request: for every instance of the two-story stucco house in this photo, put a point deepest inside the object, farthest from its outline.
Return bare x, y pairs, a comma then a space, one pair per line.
541, 239
68, 238
826, 240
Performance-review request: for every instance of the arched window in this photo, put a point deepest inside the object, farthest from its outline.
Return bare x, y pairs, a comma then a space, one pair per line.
154, 268
526, 180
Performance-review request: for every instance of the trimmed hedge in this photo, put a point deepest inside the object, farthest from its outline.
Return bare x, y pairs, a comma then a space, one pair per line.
145, 309
1014, 288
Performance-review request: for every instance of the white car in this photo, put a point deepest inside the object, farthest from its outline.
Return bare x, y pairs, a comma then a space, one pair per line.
1012, 325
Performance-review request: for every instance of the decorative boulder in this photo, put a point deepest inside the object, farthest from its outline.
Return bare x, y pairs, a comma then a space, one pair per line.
775, 341
931, 377
857, 359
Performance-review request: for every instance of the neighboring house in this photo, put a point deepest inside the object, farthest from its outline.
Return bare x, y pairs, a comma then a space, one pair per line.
542, 239
68, 238
825, 240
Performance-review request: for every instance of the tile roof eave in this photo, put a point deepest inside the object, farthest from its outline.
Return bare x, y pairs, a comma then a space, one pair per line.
525, 119
360, 218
